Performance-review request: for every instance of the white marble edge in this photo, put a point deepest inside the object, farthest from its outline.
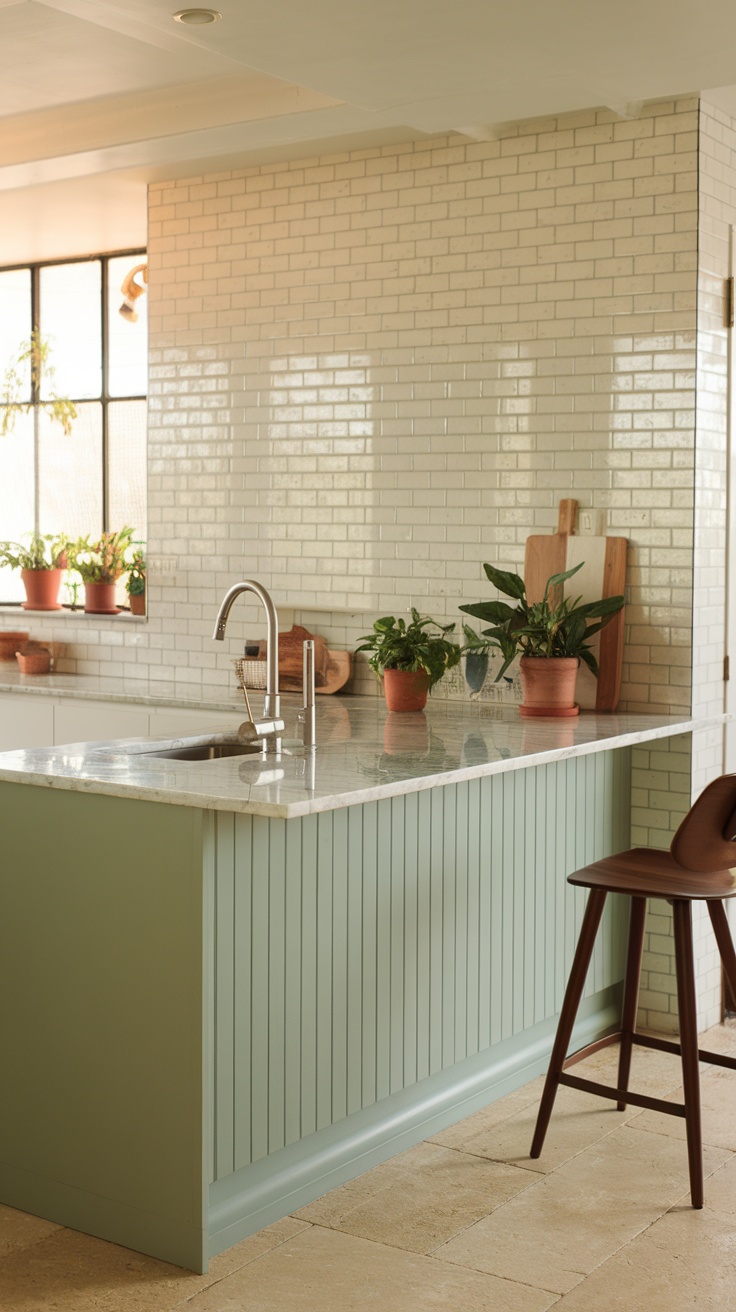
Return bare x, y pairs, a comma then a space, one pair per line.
451, 743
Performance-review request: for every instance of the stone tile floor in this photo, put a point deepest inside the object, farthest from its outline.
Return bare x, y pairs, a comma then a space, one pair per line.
464, 1222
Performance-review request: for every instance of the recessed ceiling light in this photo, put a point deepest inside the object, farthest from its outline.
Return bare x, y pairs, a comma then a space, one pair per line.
197, 17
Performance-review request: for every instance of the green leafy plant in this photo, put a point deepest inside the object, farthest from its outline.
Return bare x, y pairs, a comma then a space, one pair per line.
554, 626
421, 645
42, 552
33, 354
136, 584
104, 560
476, 652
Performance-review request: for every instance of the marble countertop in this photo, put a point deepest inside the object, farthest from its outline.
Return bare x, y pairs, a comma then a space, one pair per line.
363, 754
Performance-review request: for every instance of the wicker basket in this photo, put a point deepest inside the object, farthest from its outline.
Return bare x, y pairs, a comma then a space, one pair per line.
250, 674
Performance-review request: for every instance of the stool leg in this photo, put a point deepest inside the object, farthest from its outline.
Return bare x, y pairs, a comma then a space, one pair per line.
573, 994
689, 1044
719, 921
631, 991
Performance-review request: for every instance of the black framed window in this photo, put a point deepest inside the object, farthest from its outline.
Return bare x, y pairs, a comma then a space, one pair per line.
94, 478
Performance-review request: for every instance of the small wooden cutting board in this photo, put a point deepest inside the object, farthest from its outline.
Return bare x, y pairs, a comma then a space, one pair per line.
603, 575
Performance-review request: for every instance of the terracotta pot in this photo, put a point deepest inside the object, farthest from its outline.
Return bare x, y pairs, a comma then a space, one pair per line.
405, 690
10, 642
34, 662
137, 603
548, 685
42, 588
99, 599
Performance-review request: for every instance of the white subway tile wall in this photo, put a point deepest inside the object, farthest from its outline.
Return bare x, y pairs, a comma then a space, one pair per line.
373, 371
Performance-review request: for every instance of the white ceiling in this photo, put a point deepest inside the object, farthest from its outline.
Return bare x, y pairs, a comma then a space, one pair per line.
116, 87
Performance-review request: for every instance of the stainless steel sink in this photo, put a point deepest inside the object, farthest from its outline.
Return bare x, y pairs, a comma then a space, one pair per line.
208, 751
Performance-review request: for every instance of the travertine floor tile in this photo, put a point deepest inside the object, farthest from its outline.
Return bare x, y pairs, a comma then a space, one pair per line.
721, 1194
503, 1131
722, 1038
332, 1207
562, 1228
19, 1230
718, 1109
578, 1120
432, 1194
72, 1272
326, 1271
685, 1260
657, 1073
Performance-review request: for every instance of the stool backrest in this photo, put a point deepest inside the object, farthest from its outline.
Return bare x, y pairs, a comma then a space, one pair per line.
706, 839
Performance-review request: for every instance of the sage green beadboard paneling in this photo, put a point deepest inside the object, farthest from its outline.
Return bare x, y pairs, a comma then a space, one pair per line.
252, 1198
101, 968
376, 947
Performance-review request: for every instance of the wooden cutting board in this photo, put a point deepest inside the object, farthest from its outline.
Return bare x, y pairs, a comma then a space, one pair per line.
332, 669
603, 575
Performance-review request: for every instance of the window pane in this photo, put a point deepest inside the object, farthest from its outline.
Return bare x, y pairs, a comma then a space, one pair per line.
70, 477
126, 463
15, 322
127, 367
16, 497
70, 320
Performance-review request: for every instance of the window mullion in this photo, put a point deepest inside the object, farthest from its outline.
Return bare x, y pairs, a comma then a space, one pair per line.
105, 396
35, 397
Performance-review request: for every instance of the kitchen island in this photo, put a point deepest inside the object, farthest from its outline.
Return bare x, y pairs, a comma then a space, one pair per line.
238, 983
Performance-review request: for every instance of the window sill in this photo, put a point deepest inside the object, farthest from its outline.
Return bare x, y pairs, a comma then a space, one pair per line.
66, 612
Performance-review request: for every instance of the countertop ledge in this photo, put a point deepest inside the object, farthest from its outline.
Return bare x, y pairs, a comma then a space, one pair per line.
363, 754
106, 688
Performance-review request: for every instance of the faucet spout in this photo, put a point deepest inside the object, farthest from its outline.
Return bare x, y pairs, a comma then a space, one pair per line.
271, 705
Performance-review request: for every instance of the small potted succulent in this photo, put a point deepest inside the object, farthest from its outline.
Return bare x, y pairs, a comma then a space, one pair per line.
552, 636
136, 582
100, 564
41, 563
411, 658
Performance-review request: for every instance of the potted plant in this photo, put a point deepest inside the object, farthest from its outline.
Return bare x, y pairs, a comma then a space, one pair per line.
33, 355
33, 658
100, 565
41, 563
552, 636
411, 658
136, 583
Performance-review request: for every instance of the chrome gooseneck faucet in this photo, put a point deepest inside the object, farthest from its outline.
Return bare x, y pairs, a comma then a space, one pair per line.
272, 724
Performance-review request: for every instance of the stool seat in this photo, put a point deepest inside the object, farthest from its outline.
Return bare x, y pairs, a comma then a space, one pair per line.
697, 868
649, 872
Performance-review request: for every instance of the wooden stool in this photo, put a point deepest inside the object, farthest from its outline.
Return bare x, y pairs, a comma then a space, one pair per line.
696, 868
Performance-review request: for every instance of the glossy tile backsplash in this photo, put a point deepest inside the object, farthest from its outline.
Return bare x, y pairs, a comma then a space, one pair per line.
373, 371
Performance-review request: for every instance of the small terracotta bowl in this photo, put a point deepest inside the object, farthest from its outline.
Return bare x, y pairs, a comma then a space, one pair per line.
34, 662
10, 642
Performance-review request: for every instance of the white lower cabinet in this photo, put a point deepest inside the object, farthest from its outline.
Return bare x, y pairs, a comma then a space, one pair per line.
77, 721
25, 721
168, 722
28, 721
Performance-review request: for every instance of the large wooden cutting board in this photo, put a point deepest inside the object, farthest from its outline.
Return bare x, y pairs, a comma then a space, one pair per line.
603, 575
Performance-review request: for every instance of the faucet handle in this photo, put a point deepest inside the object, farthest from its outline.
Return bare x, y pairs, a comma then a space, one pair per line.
250, 730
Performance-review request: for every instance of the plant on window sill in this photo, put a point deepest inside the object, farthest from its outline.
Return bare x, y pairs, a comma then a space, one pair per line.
100, 565
41, 564
136, 584
35, 354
